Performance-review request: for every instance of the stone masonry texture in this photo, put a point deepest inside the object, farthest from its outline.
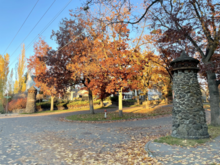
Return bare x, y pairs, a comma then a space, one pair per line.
31, 100
188, 115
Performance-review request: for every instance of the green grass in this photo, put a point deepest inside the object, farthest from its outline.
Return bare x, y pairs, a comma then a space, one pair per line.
213, 132
115, 116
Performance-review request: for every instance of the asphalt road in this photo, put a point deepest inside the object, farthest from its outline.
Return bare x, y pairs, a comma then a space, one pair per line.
41, 139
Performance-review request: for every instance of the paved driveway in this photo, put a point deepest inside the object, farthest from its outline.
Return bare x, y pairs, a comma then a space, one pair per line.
46, 139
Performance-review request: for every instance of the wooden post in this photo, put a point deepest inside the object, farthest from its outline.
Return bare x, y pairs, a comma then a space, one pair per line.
51, 105
120, 102
71, 93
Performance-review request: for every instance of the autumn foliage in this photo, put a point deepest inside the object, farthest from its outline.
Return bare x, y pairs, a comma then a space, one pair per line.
17, 104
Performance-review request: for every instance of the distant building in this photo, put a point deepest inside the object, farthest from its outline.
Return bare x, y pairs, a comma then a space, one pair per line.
154, 94
30, 81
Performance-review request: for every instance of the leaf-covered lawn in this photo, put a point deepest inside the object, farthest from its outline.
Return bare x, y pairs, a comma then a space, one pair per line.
127, 114
207, 106
71, 110
213, 132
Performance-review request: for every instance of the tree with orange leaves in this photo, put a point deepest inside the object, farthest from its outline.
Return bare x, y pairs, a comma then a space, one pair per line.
185, 23
97, 58
39, 67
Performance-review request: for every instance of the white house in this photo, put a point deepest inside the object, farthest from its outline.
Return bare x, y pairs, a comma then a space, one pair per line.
153, 94
75, 93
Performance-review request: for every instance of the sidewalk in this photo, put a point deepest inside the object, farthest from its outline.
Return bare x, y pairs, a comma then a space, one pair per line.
9, 114
205, 154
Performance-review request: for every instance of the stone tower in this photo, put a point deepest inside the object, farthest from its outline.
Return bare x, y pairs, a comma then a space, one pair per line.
188, 115
31, 100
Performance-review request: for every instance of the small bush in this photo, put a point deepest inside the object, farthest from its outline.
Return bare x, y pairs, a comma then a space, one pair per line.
4, 101
17, 104
45, 105
130, 100
77, 104
107, 99
114, 98
39, 97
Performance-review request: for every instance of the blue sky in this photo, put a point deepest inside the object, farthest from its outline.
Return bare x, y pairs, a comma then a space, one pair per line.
12, 15
14, 12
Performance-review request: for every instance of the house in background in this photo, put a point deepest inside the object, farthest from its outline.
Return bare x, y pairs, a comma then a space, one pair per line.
153, 94
73, 93
30, 81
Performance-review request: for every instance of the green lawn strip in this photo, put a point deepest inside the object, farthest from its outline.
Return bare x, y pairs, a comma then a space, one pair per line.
213, 132
68, 110
111, 116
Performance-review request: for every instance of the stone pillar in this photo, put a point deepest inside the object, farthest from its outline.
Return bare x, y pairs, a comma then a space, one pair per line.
188, 114
31, 100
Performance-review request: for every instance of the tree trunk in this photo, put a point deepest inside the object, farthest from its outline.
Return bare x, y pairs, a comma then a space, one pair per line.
51, 104
101, 103
206, 99
166, 101
214, 98
120, 103
138, 98
146, 97
91, 102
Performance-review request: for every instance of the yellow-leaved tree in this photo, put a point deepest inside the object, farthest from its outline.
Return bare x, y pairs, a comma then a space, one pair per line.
10, 82
16, 87
4, 70
20, 83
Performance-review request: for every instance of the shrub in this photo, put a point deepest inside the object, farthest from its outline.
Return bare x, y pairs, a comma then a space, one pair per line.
131, 100
107, 99
114, 98
4, 101
77, 104
17, 104
61, 105
45, 105
39, 97
170, 93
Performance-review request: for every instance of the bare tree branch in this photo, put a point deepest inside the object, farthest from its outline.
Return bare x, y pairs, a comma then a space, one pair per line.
205, 28
128, 22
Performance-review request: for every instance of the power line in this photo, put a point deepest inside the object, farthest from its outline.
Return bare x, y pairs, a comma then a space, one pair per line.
21, 26
45, 28
34, 26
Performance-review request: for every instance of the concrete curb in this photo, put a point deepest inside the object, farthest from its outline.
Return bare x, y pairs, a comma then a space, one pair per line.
13, 114
207, 152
